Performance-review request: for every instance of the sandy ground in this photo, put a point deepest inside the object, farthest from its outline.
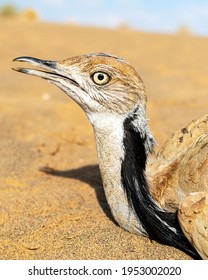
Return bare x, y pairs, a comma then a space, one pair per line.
62, 213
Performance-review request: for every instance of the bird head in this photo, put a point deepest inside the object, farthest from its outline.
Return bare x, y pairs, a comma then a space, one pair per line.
107, 88
99, 83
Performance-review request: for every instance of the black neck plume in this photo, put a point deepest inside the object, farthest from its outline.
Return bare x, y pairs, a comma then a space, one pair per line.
159, 224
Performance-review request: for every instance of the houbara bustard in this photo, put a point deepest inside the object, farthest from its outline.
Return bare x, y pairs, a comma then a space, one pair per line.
165, 197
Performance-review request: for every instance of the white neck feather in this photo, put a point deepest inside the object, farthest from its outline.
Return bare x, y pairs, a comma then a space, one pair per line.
109, 135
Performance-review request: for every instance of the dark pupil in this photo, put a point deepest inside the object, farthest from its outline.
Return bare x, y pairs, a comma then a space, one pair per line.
100, 77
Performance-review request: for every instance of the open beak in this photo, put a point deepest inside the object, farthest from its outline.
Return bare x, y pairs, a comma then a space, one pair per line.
50, 72
48, 65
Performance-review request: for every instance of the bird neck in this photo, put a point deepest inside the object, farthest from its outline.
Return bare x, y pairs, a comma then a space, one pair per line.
123, 144
109, 133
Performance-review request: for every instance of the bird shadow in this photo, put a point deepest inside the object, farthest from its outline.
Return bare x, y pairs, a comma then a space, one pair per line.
89, 174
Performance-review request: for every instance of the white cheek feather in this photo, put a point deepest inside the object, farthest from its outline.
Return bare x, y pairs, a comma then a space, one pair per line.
77, 75
86, 96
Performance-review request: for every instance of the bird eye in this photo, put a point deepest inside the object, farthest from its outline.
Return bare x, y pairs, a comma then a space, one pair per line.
100, 78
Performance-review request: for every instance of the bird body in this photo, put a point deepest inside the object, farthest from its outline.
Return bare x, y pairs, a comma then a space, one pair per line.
142, 200
193, 218
181, 165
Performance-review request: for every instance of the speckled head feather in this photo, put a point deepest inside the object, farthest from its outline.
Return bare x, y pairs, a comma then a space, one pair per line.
124, 90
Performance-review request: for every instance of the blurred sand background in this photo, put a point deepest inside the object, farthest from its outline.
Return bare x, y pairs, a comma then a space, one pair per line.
62, 213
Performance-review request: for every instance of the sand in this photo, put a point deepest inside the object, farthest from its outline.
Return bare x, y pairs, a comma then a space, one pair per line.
52, 204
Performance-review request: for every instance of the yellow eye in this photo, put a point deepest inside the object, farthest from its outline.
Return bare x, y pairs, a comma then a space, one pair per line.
100, 78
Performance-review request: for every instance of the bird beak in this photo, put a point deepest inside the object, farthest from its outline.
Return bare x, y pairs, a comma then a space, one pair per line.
50, 72
44, 64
